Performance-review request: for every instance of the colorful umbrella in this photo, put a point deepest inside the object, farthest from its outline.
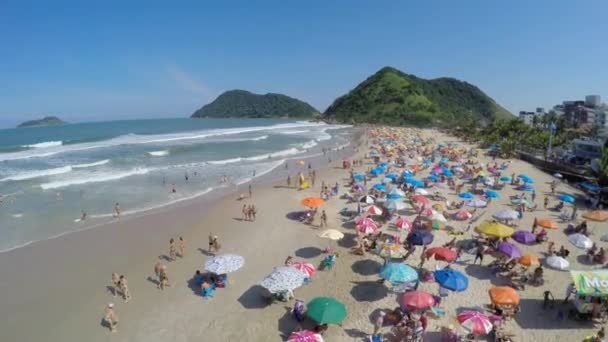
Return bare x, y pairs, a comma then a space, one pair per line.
451, 280
331, 234
509, 250
580, 241
367, 199
547, 223
359, 177
326, 310
529, 260
364, 220
283, 279
420, 238
492, 194
474, 322
495, 229
305, 336
503, 295
524, 236
438, 217
596, 215
557, 262
224, 263
312, 202
390, 250
367, 228
403, 223
420, 199
374, 210
442, 253
398, 273
380, 187
305, 268
466, 195
506, 214
427, 212
415, 300
567, 198
463, 215
505, 178
435, 225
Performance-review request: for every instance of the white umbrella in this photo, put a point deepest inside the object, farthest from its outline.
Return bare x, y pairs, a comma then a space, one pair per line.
438, 217
420, 191
506, 214
557, 262
394, 205
476, 203
367, 199
489, 182
225, 263
283, 279
397, 192
331, 234
580, 241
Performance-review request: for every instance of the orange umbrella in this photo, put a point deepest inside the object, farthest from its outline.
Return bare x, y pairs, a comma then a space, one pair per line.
442, 253
504, 295
435, 225
528, 260
420, 199
547, 223
312, 202
596, 215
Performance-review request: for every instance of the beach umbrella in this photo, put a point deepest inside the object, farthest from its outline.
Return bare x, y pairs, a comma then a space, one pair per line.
403, 223
373, 210
420, 199
476, 203
442, 253
367, 228
364, 220
300, 162
433, 178
495, 229
283, 278
421, 192
466, 195
390, 250
225, 263
463, 215
448, 173
474, 322
528, 180
380, 187
435, 225
367, 199
359, 177
398, 272
523, 175
567, 198
557, 262
437, 170
427, 212
528, 260
312, 202
438, 217
305, 268
394, 205
509, 250
387, 180
458, 169
395, 194
547, 223
427, 162
451, 280
580, 241
331, 234
506, 214
392, 176
415, 300
503, 295
305, 336
526, 187
326, 310
420, 238
417, 183
596, 215
505, 178
492, 194
524, 236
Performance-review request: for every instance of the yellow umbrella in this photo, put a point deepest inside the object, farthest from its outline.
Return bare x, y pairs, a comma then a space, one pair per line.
300, 162
495, 229
331, 234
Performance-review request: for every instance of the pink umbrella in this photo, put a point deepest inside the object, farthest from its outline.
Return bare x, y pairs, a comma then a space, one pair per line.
463, 215
367, 228
475, 322
374, 210
364, 220
427, 212
420, 199
305, 268
403, 223
305, 336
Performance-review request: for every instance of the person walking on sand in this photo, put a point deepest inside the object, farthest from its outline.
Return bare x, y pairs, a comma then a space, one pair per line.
117, 210
216, 243
172, 251
546, 202
110, 318
253, 211
115, 284
211, 242
288, 180
250, 191
158, 267
182, 247
379, 322
479, 255
323, 219
245, 213
124, 288
164, 279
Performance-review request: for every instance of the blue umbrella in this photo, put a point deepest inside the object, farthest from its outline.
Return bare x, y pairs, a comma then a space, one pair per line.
359, 177
420, 238
451, 280
467, 195
398, 273
380, 187
394, 196
417, 183
427, 162
448, 173
392, 176
523, 175
567, 198
526, 187
433, 178
505, 178
528, 180
407, 174
383, 164
444, 160
492, 194
376, 172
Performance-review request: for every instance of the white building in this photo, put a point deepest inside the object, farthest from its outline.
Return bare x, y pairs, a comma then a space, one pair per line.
593, 101
527, 117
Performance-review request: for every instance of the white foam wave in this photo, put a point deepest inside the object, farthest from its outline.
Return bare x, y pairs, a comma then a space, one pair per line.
44, 144
101, 162
94, 178
263, 137
308, 144
159, 153
272, 166
225, 161
17, 215
37, 173
289, 132
282, 153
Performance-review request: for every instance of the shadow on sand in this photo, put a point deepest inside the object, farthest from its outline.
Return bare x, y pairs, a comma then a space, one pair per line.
254, 298
308, 252
368, 291
348, 241
366, 267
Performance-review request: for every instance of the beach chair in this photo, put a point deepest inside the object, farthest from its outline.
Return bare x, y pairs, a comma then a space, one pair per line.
329, 262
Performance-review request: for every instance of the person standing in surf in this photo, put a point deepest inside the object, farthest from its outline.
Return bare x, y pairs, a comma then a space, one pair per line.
117, 210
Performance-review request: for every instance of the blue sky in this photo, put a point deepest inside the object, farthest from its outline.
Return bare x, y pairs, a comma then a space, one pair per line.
128, 59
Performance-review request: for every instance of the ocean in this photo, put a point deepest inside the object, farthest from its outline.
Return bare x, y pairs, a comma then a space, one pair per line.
50, 175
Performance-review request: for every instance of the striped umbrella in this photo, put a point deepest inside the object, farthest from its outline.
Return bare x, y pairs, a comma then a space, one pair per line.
305, 268
427, 212
420, 199
390, 250
403, 223
367, 228
475, 322
374, 210
463, 215
305, 336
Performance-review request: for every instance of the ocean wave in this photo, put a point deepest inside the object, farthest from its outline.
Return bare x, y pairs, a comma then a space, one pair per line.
101, 162
308, 144
159, 153
225, 161
104, 177
258, 157
44, 144
260, 173
37, 173
289, 132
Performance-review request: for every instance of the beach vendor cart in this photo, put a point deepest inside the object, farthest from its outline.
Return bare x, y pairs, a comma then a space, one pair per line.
590, 300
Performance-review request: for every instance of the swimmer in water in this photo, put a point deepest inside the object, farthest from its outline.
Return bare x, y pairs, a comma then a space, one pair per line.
83, 216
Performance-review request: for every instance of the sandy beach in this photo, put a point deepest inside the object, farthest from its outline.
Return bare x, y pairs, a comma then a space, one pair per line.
56, 290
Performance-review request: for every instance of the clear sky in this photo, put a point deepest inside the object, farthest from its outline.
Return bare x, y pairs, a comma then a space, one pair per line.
124, 59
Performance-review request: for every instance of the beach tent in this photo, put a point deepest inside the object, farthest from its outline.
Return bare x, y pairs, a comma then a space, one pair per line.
591, 283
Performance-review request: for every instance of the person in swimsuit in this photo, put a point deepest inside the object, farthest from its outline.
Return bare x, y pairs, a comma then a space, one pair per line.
182, 247
124, 288
117, 210
115, 283
172, 251
110, 318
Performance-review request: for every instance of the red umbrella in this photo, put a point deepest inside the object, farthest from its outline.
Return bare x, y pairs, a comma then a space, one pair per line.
305, 268
403, 223
417, 300
374, 210
426, 212
420, 199
369, 228
463, 215
442, 253
364, 220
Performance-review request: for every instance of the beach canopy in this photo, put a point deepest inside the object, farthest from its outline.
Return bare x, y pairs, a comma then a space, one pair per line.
509, 250
442, 253
331, 234
374, 210
528, 260
224, 263
305, 336
394, 205
547, 223
495, 229
557, 262
476, 203
524, 236
567, 198
398, 273
474, 322
420, 199
312, 202
403, 223
596, 215
283, 278
506, 214
466, 195
367, 199
451, 280
420, 238
492, 194
503, 295
414, 300
580, 241
326, 310
591, 283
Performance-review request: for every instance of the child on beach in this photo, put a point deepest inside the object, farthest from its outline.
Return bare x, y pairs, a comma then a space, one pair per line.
110, 318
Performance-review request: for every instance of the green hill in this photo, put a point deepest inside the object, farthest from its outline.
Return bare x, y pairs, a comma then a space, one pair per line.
46, 121
395, 98
243, 104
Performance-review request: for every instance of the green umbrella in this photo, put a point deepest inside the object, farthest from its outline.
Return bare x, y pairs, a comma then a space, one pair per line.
326, 310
